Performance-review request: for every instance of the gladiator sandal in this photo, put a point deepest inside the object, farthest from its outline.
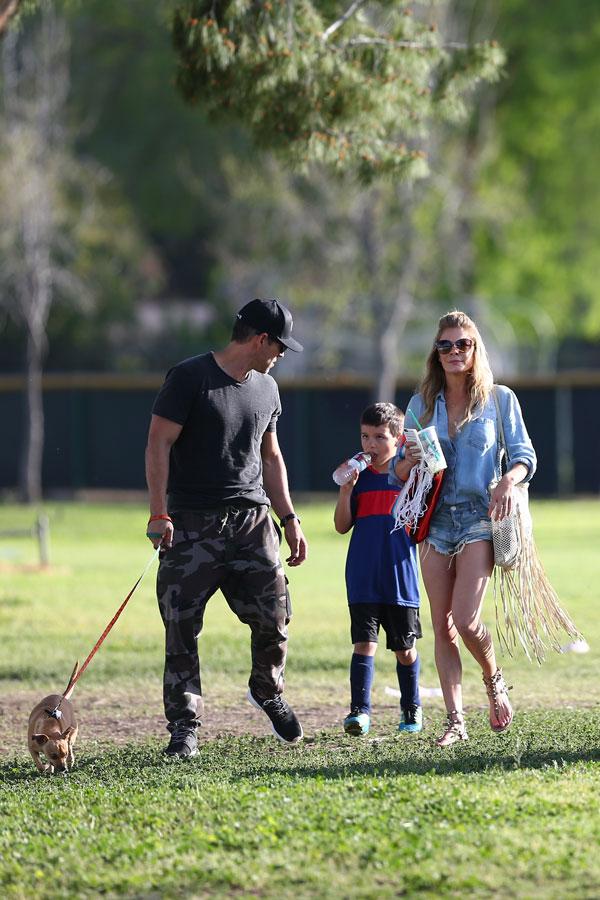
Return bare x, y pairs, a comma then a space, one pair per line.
456, 730
495, 686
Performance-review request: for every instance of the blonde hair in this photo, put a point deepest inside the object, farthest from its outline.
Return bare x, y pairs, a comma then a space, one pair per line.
479, 379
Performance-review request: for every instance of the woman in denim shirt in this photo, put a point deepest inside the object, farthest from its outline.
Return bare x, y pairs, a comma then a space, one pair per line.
456, 395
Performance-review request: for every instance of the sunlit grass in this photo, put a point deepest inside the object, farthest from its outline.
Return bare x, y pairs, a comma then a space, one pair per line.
508, 816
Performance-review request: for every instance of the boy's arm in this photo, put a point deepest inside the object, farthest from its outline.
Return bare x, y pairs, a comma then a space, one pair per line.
342, 517
403, 466
406, 458
408, 454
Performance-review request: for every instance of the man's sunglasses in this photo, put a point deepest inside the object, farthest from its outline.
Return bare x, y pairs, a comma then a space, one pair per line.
462, 344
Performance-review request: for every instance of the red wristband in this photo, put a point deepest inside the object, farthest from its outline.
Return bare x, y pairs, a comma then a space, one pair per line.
156, 518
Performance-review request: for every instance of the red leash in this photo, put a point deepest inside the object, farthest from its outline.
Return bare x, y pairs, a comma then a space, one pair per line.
77, 673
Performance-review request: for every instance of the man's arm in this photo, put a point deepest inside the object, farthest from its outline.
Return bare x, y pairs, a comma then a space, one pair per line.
162, 435
276, 486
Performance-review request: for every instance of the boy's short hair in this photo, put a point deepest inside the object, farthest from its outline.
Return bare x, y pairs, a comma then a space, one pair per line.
384, 414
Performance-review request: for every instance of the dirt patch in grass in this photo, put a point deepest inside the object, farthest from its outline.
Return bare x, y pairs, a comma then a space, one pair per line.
131, 716
26, 568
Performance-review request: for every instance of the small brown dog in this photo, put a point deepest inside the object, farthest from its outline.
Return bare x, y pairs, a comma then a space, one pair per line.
52, 731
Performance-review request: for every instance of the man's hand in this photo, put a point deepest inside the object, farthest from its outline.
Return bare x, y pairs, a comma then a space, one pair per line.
161, 437
160, 531
296, 542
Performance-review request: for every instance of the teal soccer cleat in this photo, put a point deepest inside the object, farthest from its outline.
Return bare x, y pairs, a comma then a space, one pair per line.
412, 719
357, 723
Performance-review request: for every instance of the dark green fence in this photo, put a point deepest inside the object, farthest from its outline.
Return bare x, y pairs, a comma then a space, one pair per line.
96, 430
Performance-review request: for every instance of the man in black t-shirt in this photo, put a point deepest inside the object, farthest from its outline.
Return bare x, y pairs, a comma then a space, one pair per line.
214, 467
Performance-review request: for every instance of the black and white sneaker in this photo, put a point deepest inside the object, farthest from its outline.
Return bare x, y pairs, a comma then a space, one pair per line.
284, 723
183, 743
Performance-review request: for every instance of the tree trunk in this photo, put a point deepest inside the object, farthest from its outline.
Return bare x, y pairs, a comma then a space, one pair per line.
389, 339
391, 332
31, 468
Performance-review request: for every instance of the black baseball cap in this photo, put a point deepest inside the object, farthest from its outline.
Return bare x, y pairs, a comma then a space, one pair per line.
272, 317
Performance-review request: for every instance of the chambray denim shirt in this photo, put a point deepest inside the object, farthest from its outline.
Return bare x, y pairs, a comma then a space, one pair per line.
472, 455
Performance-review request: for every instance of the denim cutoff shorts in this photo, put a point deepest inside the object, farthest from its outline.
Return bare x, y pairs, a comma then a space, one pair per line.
454, 526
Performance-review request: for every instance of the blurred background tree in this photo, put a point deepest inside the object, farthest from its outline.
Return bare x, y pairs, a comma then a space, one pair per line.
366, 91
505, 224
538, 252
485, 222
63, 233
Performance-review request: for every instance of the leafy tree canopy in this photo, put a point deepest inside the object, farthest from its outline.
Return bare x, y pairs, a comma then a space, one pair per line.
355, 86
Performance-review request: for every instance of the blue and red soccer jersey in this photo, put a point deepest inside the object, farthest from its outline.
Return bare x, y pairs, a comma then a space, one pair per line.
381, 566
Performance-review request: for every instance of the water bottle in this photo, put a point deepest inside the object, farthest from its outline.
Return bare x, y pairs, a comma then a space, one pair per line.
357, 463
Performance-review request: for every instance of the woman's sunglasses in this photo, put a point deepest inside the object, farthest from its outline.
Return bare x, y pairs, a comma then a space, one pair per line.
462, 344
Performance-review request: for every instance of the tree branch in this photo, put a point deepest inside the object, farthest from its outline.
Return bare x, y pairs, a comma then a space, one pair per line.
7, 10
364, 41
290, 23
354, 7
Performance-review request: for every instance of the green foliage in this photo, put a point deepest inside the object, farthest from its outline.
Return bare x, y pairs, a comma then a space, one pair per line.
529, 226
356, 94
116, 264
540, 180
160, 151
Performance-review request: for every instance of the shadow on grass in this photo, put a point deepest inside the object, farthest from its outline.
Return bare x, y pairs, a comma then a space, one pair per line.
433, 765
541, 740
95, 769
22, 773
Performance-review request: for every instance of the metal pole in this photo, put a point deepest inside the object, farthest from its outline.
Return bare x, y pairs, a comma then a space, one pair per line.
565, 469
42, 529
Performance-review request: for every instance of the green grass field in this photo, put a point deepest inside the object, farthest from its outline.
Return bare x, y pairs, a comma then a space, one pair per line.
502, 816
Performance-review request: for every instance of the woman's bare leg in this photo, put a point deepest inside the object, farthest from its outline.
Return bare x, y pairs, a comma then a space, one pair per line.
473, 569
438, 576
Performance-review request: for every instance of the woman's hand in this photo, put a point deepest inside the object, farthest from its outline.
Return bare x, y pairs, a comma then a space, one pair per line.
502, 499
413, 453
412, 456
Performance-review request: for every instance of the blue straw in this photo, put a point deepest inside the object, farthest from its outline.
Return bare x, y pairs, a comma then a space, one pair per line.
419, 426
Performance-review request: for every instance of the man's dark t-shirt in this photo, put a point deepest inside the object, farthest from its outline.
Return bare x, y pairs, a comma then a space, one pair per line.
216, 459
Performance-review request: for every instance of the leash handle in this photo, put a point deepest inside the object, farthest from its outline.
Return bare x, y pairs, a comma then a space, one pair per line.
77, 674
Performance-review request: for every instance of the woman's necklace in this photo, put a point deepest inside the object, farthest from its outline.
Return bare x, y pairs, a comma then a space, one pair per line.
456, 411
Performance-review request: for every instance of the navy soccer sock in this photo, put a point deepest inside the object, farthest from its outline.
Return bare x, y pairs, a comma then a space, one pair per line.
361, 680
408, 679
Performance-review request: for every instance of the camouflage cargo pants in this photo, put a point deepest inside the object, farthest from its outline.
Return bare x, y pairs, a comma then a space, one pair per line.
236, 550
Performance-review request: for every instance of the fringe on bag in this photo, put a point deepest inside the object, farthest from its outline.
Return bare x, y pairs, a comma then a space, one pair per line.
411, 502
528, 611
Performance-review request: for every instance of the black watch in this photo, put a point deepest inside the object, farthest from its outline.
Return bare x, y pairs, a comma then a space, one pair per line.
287, 519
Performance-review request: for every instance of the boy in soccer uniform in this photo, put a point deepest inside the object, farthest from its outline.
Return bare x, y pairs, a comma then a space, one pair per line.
381, 575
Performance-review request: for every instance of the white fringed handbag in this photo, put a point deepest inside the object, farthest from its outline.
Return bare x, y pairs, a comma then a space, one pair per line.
418, 498
411, 502
528, 610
